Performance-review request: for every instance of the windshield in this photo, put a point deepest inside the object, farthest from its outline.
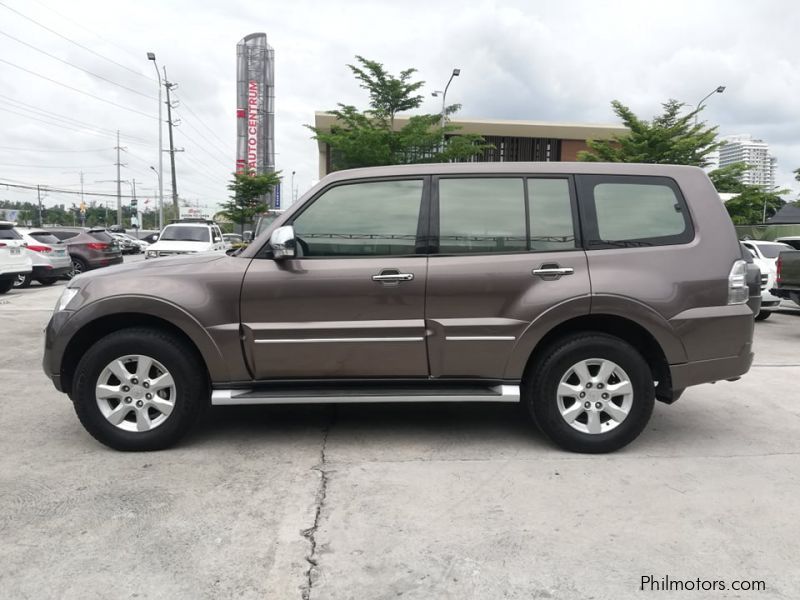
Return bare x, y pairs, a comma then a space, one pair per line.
184, 234
773, 250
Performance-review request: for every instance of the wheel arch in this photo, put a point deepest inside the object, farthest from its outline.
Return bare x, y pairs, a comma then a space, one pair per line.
618, 326
89, 331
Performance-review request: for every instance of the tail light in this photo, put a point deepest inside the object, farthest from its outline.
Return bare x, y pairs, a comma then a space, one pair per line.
2, 244
44, 249
779, 265
98, 245
737, 283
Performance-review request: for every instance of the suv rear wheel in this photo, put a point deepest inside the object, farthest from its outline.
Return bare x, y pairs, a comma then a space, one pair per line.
139, 389
593, 393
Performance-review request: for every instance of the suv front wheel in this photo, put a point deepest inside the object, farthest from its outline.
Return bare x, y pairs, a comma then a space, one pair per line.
139, 389
593, 393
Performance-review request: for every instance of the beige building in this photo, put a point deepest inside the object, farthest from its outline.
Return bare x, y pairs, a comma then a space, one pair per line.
512, 140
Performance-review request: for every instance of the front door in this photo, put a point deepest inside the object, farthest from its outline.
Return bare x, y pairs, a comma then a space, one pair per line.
351, 304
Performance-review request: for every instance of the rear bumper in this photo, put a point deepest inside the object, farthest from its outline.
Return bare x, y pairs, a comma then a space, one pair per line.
106, 261
718, 342
43, 272
707, 371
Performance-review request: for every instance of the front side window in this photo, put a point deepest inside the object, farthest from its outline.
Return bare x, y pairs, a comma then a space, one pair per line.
377, 218
629, 211
184, 234
482, 215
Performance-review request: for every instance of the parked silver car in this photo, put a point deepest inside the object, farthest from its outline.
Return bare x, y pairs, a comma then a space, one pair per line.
49, 257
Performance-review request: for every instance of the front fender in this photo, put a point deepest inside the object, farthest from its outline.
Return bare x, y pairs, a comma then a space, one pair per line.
63, 333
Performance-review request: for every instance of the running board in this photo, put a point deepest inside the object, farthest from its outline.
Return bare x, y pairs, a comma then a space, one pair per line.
341, 395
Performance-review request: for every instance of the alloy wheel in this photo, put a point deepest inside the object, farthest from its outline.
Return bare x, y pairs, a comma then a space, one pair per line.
135, 393
595, 396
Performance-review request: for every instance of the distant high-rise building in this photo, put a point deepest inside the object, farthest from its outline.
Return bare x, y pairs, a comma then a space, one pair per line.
755, 153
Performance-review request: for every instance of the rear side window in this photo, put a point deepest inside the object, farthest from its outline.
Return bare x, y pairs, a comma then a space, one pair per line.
9, 234
481, 215
101, 236
45, 238
623, 211
551, 223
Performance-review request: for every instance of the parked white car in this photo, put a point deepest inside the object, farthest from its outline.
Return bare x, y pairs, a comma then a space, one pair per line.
765, 255
50, 259
187, 237
14, 261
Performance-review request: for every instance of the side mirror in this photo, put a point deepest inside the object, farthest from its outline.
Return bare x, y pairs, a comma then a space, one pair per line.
247, 236
217, 239
282, 242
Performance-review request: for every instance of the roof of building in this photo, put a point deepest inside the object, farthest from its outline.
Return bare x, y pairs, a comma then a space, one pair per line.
503, 127
790, 213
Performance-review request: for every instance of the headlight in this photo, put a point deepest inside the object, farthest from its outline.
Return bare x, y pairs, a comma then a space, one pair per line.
66, 296
152, 254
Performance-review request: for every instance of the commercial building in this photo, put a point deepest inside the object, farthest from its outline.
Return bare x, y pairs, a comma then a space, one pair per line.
512, 140
755, 153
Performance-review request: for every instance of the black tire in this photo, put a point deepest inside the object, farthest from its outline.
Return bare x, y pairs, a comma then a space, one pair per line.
182, 362
763, 315
22, 281
78, 266
541, 384
48, 280
5, 285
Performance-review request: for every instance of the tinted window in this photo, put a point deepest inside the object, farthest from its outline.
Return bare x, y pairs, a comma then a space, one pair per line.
362, 219
630, 210
45, 238
773, 250
481, 215
102, 236
65, 235
9, 234
184, 234
550, 213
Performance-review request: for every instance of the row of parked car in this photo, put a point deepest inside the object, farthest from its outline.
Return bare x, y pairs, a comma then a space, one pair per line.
46, 254
763, 258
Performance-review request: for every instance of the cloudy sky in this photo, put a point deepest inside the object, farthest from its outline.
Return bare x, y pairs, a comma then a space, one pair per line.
535, 60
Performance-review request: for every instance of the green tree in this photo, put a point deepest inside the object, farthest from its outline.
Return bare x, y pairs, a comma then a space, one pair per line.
368, 138
753, 205
672, 137
728, 179
247, 199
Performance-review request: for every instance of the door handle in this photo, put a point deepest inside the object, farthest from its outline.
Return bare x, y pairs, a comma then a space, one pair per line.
554, 271
393, 277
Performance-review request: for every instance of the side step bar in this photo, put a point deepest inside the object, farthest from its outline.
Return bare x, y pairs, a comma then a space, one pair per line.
341, 395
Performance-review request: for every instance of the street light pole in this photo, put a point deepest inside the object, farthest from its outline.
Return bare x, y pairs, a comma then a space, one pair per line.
152, 56
160, 198
456, 73
717, 90
291, 194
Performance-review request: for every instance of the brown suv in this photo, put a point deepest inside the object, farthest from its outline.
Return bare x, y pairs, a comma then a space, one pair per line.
585, 291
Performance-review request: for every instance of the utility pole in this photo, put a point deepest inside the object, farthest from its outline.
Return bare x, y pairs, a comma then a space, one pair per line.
39, 196
119, 182
172, 150
83, 204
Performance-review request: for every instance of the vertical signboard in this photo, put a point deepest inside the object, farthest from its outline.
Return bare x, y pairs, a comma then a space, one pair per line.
255, 97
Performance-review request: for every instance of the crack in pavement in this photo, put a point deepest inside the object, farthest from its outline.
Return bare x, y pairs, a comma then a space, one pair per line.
319, 500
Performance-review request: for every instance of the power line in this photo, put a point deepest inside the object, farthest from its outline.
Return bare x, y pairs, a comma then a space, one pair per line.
71, 41
48, 150
200, 133
38, 166
74, 66
57, 191
201, 147
187, 107
74, 89
68, 127
18, 105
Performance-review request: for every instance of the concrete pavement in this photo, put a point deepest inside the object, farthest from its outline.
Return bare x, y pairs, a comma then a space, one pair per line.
387, 501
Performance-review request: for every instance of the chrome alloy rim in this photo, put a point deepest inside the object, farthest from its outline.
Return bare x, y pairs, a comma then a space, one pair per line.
595, 396
135, 393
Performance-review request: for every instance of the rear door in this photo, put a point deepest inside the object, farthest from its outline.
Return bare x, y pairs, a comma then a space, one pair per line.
351, 304
506, 251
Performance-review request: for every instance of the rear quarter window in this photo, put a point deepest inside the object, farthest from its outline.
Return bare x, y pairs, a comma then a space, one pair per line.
101, 236
623, 211
9, 234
